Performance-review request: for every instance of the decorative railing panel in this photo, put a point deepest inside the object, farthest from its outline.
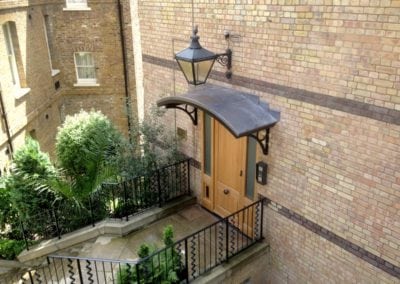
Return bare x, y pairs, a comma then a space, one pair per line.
184, 261
112, 200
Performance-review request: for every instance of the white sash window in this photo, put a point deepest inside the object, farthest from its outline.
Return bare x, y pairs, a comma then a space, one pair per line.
85, 68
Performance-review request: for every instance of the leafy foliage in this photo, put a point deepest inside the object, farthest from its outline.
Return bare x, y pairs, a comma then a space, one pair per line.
168, 235
90, 151
9, 249
9, 217
22, 198
153, 147
164, 267
86, 147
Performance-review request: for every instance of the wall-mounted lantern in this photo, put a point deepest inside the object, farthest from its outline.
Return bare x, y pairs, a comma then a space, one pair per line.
196, 62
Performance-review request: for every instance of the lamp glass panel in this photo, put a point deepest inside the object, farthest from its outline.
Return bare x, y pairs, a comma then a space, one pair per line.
202, 69
187, 70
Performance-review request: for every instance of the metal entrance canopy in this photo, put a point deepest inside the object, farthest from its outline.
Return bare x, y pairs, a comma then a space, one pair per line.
241, 113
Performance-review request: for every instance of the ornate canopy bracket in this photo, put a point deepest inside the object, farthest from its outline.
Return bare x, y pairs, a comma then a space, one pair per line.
190, 110
225, 59
262, 137
241, 113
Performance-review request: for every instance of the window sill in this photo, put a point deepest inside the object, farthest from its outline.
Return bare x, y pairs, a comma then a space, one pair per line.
22, 92
82, 8
86, 85
55, 72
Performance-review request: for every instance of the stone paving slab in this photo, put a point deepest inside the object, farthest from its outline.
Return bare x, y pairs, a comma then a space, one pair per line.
184, 222
114, 227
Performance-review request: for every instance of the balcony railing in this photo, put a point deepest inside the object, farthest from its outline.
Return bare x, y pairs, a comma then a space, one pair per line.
113, 200
183, 261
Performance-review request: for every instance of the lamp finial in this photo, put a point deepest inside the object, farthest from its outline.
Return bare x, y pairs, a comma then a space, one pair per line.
195, 30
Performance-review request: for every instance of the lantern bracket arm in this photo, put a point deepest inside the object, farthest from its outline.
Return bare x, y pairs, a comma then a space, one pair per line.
189, 109
225, 59
262, 137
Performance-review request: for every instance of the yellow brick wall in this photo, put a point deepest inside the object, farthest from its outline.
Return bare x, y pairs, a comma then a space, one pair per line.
29, 112
95, 31
44, 108
338, 170
335, 168
300, 256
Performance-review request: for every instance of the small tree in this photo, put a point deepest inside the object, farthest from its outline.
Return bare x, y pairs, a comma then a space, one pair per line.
86, 146
154, 146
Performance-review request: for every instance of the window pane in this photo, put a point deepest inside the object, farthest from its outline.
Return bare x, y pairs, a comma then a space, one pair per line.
48, 37
251, 167
84, 59
7, 37
86, 73
207, 144
85, 67
10, 52
76, 2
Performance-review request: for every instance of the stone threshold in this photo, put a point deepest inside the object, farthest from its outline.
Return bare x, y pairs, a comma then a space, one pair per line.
223, 272
111, 227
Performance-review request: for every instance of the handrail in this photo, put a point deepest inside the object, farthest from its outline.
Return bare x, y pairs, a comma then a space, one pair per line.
113, 200
224, 218
187, 258
93, 259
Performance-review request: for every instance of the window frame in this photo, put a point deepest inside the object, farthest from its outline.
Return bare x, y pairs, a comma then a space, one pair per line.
12, 61
54, 72
76, 6
85, 81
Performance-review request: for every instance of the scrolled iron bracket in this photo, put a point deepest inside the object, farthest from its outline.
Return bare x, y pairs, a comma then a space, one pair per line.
262, 137
225, 59
191, 112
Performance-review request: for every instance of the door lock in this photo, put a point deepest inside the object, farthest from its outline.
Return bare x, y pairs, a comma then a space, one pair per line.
226, 191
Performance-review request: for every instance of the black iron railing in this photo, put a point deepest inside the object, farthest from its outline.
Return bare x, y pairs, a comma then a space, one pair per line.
113, 200
137, 194
184, 261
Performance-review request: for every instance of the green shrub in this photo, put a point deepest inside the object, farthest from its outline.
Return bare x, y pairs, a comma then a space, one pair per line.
86, 147
153, 147
9, 249
165, 267
9, 215
168, 235
126, 275
22, 198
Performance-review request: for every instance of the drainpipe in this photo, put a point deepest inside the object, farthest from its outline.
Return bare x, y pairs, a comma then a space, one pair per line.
125, 66
4, 117
137, 53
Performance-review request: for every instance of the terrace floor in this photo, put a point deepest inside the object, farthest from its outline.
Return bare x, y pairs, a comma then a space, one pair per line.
212, 245
185, 222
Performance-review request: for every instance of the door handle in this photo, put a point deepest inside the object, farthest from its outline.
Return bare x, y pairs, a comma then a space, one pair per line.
226, 191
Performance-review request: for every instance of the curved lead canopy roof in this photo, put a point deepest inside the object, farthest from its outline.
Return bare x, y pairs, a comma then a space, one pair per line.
242, 113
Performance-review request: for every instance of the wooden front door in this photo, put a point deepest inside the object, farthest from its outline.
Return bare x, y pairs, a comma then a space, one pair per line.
230, 165
225, 158
224, 186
